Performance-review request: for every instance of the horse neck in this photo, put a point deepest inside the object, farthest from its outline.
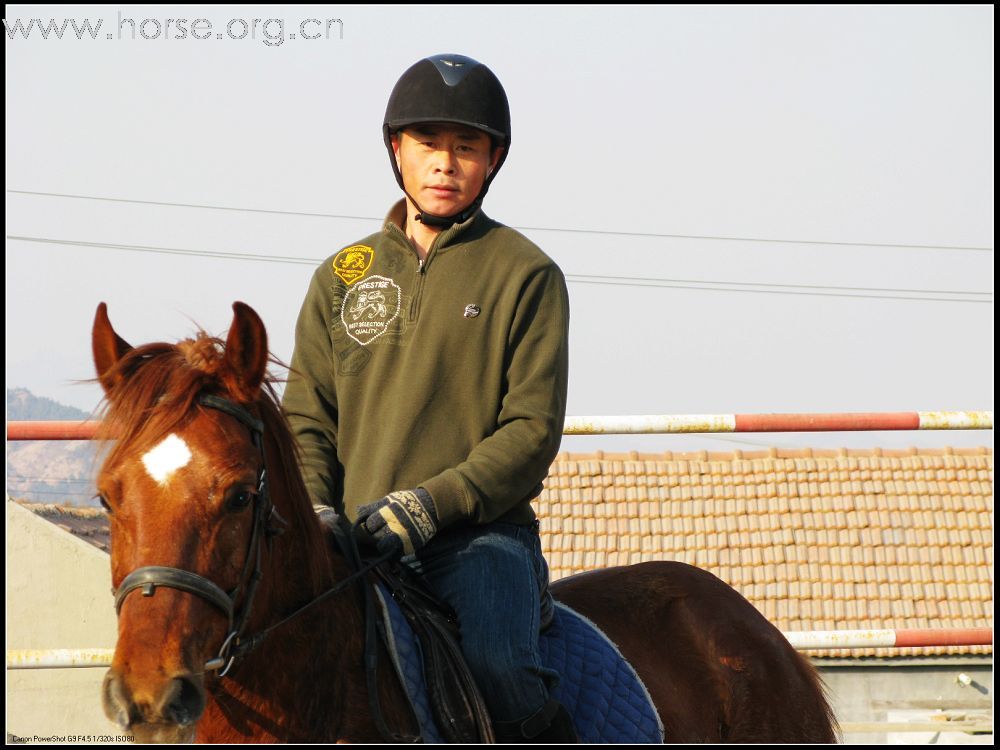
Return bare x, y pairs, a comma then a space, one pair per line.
298, 568
303, 681
301, 561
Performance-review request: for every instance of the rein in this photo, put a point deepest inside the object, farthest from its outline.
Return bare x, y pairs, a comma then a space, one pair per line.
243, 647
267, 524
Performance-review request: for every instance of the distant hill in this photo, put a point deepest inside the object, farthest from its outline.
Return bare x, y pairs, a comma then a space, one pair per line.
23, 404
49, 471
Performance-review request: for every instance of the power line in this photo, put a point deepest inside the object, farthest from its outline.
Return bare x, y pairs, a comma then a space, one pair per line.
656, 283
661, 235
757, 239
276, 212
172, 251
690, 284
644, 280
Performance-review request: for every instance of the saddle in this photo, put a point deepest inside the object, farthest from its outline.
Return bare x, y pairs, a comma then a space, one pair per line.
456, 703
455, 700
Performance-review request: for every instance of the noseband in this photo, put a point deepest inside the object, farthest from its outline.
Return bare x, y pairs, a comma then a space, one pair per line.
266, 523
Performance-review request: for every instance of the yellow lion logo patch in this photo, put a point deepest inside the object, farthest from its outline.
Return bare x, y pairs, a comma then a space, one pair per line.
352, 263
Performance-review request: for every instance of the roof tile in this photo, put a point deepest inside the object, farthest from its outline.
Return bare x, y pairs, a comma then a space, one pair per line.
821, 539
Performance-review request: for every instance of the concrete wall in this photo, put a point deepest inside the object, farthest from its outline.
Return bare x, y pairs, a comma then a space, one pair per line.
58, 596
925, 690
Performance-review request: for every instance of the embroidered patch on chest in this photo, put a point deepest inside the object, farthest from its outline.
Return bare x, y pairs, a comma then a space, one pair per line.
352, 263
166, 458
369, 308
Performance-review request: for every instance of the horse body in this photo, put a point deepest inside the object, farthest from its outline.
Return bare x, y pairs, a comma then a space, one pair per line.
714, 667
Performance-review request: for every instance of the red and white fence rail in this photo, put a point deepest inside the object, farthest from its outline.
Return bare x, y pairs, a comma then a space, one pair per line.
814, 640
655, 423
868, 421
808, 640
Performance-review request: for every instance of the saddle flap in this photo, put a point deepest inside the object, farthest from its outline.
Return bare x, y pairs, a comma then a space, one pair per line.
456, 703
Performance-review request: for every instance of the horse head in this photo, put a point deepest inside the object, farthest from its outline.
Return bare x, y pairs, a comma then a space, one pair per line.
186, 490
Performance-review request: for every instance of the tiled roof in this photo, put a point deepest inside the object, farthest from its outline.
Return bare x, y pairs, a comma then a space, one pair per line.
816, 540
89, 524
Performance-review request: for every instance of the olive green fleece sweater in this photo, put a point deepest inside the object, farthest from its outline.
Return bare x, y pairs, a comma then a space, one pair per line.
448, 374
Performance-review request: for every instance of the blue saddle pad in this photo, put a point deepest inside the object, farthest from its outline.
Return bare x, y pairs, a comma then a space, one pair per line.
601, 691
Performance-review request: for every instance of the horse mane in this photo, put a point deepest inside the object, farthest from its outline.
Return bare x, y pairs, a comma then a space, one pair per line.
157, 392
156, 388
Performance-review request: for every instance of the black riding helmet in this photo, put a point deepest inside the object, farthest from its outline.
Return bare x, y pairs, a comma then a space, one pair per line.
449, 88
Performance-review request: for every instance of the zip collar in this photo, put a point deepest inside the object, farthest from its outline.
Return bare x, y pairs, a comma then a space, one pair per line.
395, 220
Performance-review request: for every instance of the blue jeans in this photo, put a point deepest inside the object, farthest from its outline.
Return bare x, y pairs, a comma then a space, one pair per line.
492, 576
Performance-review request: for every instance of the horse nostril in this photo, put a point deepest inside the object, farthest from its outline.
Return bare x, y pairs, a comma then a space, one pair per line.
184, 701
116, 702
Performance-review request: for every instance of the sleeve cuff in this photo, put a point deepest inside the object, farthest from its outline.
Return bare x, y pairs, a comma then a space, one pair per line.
450, 495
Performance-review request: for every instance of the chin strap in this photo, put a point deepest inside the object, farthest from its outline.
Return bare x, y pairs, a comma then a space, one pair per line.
443, 222
446, 221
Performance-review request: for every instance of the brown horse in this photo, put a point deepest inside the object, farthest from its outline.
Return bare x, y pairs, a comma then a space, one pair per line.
196, 557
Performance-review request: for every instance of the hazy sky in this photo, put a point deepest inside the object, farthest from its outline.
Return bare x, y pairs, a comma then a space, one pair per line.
780, 172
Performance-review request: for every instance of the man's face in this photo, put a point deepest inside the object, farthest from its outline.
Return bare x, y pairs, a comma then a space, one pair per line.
444, 165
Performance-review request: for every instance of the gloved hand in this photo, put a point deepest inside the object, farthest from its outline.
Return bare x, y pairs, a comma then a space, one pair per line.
401, 522
327, 516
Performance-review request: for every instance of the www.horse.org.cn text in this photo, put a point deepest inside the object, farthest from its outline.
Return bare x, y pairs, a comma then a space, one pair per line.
269, 31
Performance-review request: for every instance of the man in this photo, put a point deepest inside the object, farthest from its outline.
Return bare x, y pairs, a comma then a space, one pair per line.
433, 361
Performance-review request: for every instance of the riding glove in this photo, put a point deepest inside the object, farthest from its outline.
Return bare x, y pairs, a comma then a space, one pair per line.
401, 522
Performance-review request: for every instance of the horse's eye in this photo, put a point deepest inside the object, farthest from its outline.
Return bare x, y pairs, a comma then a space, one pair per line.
240, 499
104, 502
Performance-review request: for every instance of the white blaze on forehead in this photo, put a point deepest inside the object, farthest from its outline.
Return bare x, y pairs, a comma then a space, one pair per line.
166, 458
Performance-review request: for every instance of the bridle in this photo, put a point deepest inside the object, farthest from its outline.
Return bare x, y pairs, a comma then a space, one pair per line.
267, 523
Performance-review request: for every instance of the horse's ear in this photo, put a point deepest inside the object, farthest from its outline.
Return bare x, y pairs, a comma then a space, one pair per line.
246, 351
109, 347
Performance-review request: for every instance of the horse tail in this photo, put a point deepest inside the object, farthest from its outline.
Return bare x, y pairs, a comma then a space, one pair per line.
796, 708
769, 692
